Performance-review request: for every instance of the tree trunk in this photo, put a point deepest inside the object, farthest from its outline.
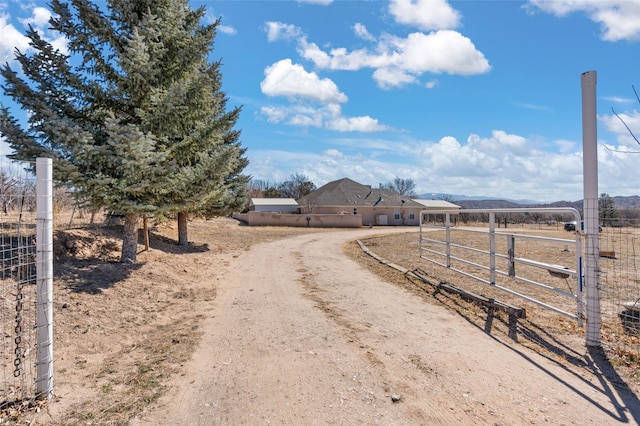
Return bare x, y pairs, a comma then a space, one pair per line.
183, 240
146, 233
129, 238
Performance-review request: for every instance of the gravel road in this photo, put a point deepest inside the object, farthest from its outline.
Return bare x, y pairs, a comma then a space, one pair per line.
299, 334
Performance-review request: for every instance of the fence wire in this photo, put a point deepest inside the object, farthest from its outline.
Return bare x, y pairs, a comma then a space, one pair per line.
618, 274
17, 294
619, 284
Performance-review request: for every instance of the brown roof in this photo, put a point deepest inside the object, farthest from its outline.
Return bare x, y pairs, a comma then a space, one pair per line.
348, 193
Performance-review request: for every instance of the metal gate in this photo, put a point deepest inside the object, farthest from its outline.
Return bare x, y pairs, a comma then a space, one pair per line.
498, 258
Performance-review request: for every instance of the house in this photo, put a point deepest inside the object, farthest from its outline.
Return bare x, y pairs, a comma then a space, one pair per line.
279, 205
375, 206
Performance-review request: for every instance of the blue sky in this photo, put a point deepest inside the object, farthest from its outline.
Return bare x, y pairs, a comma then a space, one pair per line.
464, 97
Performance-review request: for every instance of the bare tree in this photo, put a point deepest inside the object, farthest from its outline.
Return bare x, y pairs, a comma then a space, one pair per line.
257, 188
447, 197
405, 187
296, 187
625, 124
8, 189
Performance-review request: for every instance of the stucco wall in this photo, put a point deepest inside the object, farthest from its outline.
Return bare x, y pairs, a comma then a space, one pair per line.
300, 220
369, 214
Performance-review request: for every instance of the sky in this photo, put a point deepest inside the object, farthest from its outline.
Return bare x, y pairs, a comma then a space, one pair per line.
475, 98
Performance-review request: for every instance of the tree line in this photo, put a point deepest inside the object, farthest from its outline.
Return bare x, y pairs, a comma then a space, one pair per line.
296, 186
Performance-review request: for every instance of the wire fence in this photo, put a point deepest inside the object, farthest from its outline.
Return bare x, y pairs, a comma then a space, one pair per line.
26, 322
619, 284
504, 262
618, 267
17, 294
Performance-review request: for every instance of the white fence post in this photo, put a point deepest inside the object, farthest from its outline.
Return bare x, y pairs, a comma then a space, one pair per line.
591, 210
44, 278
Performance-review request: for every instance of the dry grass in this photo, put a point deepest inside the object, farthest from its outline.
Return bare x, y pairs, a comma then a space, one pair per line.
121, 331
544, 331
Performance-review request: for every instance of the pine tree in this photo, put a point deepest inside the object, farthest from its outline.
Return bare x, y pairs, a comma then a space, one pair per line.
135, 117
608, 212
188, 109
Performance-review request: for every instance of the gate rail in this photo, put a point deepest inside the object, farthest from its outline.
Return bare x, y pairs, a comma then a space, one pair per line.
444, 258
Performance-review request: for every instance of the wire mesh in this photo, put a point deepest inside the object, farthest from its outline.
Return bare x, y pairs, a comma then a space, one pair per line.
17, 293
619, 283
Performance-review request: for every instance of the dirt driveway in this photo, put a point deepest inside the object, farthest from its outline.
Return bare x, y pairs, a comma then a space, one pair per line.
299, 334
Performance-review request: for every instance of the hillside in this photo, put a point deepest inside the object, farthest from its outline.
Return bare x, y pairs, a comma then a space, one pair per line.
630, 202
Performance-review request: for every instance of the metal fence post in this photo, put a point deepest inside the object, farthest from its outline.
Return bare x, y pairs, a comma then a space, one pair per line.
44, 278
492, 248
591, 211
447, 224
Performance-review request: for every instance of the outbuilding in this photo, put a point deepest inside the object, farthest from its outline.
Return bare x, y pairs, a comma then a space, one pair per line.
276, 205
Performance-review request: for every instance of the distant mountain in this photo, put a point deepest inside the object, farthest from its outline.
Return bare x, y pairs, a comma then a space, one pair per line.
627, 202
454, 198
465, 202
489, 204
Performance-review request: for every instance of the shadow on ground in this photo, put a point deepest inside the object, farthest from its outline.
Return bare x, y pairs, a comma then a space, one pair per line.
594, 360
88, 259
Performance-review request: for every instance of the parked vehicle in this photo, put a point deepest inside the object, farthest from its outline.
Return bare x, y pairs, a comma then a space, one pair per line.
572, 226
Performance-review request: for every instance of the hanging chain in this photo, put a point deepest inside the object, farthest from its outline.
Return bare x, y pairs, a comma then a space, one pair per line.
17, 362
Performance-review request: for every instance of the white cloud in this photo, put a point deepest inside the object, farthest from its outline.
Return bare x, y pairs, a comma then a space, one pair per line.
532, 106
502, 165
393, 77
361, 31
618, 99
619, 19
301, 87
318, 2
292, 81
5, 149
356, 124
326, 116
565, 146
39, 18
13, 38
499, 143
425, 14
296, 115
399, 61
227, 29
10, 40
274, 114
431, 84
281, 31
309, 119
616, 125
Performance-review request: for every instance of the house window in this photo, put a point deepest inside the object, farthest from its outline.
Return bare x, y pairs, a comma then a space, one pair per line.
355, 210
396, 214
412, 214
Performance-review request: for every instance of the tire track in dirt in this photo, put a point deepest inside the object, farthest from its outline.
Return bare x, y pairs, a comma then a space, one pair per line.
300, 334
